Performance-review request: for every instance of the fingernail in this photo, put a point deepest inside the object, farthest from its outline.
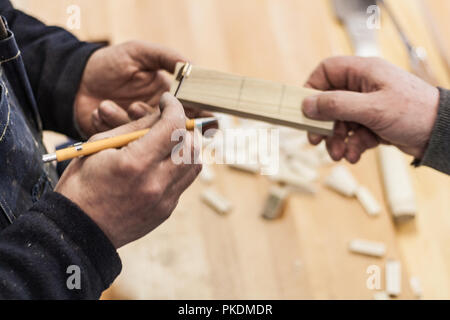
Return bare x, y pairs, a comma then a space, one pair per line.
351, 157
314, 138
336, 152
139, 109
310, 107
108, 106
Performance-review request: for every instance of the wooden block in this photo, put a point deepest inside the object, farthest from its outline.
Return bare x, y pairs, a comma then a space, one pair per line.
292, 136
321, 150
416, 287
275, 203
368, 248
296, 183
292, 143
303, 171
249, 98
341, 180
323, 155
367, 200
216, 201
307, 157
381, 295
397, 184
393, 278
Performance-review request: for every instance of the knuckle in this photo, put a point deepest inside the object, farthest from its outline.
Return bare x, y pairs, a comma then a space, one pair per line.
154, 192
129, 167
331, 102
135, 44
131, 69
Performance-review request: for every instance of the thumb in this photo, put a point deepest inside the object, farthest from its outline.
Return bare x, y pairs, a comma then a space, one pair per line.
338, 106
156, 57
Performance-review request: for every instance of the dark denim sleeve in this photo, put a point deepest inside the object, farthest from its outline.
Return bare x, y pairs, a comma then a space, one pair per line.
37, 250
437, 155
55, 61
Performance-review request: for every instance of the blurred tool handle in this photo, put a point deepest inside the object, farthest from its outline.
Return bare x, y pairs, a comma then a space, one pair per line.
364, 40
417, 55
352, 14
437, 35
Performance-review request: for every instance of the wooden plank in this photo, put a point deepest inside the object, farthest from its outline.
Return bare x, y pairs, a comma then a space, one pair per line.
248, 97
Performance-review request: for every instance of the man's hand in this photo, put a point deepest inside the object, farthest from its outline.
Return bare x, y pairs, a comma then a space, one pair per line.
372, 102
130, 191
121, 75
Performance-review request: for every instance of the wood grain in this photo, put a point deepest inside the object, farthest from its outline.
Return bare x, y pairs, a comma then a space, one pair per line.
248, 97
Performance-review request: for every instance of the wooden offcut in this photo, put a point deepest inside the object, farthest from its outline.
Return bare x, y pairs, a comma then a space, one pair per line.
247, 97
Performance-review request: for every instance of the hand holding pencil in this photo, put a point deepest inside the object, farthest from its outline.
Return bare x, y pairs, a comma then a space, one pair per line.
89, 148
129, 191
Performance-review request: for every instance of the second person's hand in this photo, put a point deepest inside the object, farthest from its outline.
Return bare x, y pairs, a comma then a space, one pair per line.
372, 102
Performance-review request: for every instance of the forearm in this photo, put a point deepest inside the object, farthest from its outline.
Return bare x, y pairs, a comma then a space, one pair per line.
437, 154
37, 249
55, 61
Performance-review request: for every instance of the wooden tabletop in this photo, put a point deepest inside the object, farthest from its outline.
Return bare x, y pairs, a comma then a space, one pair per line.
304, 255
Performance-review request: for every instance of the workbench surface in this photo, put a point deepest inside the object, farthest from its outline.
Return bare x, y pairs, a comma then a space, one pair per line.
198, 254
